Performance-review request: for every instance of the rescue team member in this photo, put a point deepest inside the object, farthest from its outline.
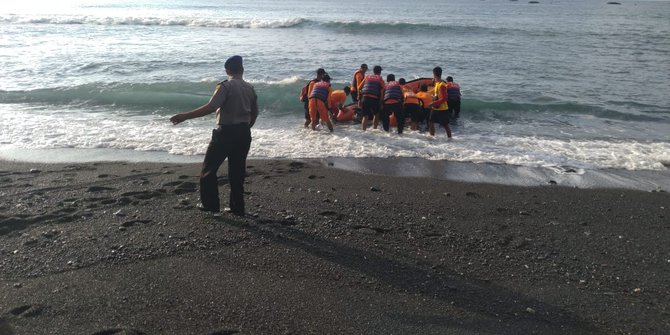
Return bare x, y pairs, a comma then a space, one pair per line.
319, 100
235, 103
425, 99
358, 78
440, 112
337, 100
371, 89
305, 92
411, 104
454, 97
393, 99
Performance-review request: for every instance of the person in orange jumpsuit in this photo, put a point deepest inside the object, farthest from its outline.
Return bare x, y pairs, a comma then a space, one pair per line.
307, 90
319, 100
337, 100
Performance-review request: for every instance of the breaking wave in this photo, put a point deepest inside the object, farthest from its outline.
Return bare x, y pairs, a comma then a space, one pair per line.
297, 22
279, 97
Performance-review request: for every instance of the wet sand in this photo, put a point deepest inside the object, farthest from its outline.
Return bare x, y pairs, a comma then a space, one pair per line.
119, 248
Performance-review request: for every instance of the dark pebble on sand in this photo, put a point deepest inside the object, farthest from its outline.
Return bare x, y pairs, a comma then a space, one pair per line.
374, 189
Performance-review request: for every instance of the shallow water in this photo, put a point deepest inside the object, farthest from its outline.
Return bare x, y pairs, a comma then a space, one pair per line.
567, 85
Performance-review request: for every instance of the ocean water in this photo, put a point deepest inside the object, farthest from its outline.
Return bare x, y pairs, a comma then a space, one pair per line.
569, 85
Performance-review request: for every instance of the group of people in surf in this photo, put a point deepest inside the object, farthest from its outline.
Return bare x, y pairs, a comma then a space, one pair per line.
387, 101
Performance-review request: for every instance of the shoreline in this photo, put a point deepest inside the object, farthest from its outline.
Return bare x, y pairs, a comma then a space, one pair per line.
120, 247
502, 174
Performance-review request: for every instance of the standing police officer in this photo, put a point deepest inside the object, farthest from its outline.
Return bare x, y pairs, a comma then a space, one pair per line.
235, 103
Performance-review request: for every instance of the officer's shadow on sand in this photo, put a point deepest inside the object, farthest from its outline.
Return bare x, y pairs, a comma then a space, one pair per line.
502, 311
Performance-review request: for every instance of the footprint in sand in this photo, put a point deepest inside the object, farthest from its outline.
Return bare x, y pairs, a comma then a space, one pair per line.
79, 168
20, 222
473, 195
5, 328
119, 331
124, 200
186, 188
133, 222
19, 310
296, 165
26, 311
373, 230
99, 189
173, 183
333, 214
183, 187
104, 175
142, 195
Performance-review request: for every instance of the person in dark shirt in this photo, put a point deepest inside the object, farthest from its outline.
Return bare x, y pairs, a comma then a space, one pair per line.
454, 97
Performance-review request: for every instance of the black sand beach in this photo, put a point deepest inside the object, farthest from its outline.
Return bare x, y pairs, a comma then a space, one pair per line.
119, 248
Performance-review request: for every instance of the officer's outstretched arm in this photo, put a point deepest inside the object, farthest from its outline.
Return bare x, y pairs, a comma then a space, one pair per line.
198, 112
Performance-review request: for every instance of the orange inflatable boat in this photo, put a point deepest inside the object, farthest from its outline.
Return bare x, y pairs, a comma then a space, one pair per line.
416, 84
347, 113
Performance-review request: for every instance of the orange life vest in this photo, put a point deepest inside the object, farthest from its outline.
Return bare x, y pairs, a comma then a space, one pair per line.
373, 85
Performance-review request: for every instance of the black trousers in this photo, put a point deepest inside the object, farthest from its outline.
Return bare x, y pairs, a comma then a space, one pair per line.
399, 116
454, 107
370, 107
230, 142
306, 107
